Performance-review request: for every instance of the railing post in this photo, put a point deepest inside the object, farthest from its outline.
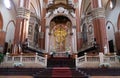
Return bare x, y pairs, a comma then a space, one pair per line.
46, 60
85, 54
116, 59
36, 57
76, 60
21, 57
6, 58
101, 56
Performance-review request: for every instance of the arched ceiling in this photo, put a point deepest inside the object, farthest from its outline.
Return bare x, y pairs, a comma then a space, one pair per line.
36, 5
87, 7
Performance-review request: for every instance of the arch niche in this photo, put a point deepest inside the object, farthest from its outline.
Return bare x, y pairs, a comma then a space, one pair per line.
111, 35
60, 34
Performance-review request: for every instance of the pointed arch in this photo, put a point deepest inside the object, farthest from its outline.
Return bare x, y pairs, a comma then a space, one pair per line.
109, 22
110, 28
32, 6
11, 21
110, 4
10, 29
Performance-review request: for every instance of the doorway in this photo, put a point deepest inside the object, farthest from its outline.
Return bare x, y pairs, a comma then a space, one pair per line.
111, 46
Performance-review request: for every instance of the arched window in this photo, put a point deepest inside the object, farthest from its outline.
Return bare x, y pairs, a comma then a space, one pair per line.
112, 4
1, 22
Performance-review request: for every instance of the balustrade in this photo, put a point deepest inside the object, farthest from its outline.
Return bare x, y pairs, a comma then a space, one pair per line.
99, 59
26, 59
96, 59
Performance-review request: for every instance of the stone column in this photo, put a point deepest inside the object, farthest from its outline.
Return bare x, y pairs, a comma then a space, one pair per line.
117, 36
78, 30
22, 23
74, 42
43, 13
47, 39
98, 13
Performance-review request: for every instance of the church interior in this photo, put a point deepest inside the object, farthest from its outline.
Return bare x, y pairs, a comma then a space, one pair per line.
59, 38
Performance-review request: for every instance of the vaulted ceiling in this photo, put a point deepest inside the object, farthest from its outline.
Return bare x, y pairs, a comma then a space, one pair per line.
36, 5
86, 5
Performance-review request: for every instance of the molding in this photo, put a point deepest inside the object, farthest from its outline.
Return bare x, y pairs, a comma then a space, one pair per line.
98, 13
23, 13
69, 16
61, 10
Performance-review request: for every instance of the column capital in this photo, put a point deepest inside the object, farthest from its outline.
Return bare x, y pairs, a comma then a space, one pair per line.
23, 13
98, 13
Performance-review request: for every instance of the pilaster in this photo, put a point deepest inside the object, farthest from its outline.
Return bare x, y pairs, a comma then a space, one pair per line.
43, 13
47, 39
78, 30
74, 42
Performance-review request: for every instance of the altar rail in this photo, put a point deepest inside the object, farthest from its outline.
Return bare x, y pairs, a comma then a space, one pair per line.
26, 59
101, 58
